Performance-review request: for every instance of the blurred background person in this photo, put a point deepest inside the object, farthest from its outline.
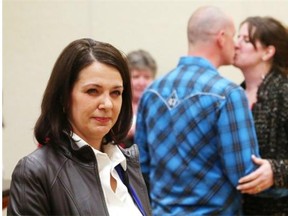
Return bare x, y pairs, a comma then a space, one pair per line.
143, 69
262, 56
79, 169
194, 128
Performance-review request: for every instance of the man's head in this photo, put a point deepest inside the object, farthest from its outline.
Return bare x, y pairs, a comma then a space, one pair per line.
210, 31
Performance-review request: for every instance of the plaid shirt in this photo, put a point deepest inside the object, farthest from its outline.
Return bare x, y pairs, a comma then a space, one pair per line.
196, 137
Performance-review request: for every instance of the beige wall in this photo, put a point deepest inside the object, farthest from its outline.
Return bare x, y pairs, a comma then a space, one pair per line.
36, 31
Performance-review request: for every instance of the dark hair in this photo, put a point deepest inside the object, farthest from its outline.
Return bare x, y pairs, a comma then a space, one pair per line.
141, 59
53, 121
269, 31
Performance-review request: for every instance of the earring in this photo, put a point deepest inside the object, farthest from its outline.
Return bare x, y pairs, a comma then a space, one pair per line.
263, 76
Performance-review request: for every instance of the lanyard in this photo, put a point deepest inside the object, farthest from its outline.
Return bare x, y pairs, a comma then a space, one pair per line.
132, 192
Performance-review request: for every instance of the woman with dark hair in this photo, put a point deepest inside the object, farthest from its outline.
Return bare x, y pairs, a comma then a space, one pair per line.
80, 170
262, 56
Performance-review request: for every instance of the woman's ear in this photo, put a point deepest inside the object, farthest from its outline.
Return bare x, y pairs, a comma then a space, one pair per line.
269, 53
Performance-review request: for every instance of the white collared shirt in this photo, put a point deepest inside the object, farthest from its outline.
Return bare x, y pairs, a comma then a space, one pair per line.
119, 202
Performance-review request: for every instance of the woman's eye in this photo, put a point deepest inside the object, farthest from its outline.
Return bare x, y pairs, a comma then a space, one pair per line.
91, 91
135, 76
246, 39
117, 93
148, 77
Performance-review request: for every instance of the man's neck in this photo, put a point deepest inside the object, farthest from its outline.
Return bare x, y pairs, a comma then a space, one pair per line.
208, 52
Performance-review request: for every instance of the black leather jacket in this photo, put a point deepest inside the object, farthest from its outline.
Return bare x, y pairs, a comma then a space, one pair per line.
64, 180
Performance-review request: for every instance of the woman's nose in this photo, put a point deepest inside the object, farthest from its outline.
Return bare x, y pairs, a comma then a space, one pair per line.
237, 43
105, 103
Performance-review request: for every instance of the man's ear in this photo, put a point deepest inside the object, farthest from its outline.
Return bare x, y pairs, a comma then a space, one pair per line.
221, 39
268, 53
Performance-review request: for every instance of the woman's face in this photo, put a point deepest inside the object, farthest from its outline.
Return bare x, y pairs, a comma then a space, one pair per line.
140, 80
96, 101
246, 55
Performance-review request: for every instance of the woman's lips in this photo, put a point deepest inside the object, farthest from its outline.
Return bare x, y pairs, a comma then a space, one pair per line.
102, 119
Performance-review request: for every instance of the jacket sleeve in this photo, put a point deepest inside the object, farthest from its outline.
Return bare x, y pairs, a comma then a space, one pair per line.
280, 166
27, 193
280, 171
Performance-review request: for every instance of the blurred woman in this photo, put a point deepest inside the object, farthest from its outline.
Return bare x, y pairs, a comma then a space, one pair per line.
143, 69
262, 56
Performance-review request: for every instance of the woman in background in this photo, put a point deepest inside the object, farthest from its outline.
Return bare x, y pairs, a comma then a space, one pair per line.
79, 169
262, 56
143, 69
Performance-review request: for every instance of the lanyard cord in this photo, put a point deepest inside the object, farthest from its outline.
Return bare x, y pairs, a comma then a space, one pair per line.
132, 192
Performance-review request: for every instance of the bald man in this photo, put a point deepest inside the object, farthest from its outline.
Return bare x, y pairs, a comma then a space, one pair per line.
194, 128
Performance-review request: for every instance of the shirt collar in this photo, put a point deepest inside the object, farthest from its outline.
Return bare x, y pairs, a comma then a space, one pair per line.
196, 60
112, 151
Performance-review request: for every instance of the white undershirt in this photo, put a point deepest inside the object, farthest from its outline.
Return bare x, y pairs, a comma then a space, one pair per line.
119, 202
